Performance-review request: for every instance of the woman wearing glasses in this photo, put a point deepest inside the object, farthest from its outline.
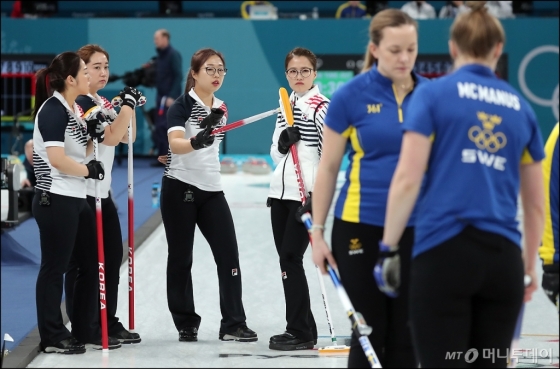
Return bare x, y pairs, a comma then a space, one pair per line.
191, 195
290, 235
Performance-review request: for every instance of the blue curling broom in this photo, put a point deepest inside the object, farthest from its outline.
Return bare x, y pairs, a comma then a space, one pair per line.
359, 325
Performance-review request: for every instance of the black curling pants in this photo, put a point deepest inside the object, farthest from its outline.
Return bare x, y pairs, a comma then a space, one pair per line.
60, 224
113, 254
291, 239
210, 211
466, 293
355, 247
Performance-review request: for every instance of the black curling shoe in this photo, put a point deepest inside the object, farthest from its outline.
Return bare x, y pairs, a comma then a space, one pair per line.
67, 346
126, 337
288, 342
242, 334
112, 344
189, 334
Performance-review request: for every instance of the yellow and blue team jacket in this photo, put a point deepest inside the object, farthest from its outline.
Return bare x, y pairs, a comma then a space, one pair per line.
549, 248
367, 111
482, 130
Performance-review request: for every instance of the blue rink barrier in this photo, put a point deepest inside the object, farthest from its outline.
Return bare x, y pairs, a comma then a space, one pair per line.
21, 252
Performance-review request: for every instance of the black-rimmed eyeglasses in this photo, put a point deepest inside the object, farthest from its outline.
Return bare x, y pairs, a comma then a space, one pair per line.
211, 71
293, 73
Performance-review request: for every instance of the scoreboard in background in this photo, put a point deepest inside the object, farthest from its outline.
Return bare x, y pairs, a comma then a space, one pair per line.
437, 65
330, 80
335, 70
18, 83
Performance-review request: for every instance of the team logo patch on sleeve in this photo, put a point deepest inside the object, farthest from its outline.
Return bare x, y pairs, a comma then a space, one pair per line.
314, 101
106, 103
225, 109
79, 109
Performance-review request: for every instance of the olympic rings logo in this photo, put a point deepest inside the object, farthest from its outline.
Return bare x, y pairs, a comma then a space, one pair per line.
553, 101
487, 140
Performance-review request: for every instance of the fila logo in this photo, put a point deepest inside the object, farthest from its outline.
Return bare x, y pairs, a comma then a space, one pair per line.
374, 108
284, 276
234, 272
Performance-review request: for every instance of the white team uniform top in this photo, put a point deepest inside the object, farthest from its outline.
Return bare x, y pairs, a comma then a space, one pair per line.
57, 126
106, 153
200, 168
309, 114
422, 11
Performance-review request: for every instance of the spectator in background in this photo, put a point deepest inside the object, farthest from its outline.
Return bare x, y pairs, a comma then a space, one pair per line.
452, 9
374, 7
170, 7
523, 8
16, 10
500, 9
169, 75
419, 10
351, 9
31, 180
246, 7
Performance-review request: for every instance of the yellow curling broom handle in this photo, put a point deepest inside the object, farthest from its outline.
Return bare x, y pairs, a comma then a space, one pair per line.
286, 108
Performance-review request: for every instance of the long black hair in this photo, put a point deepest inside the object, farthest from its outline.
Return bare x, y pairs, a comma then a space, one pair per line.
63, 65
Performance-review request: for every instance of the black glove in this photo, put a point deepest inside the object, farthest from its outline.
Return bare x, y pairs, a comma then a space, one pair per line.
288, 137
212, 119
95, 170
95, 128
304, 208
202, 139
130, 97
94, 120
551, 282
